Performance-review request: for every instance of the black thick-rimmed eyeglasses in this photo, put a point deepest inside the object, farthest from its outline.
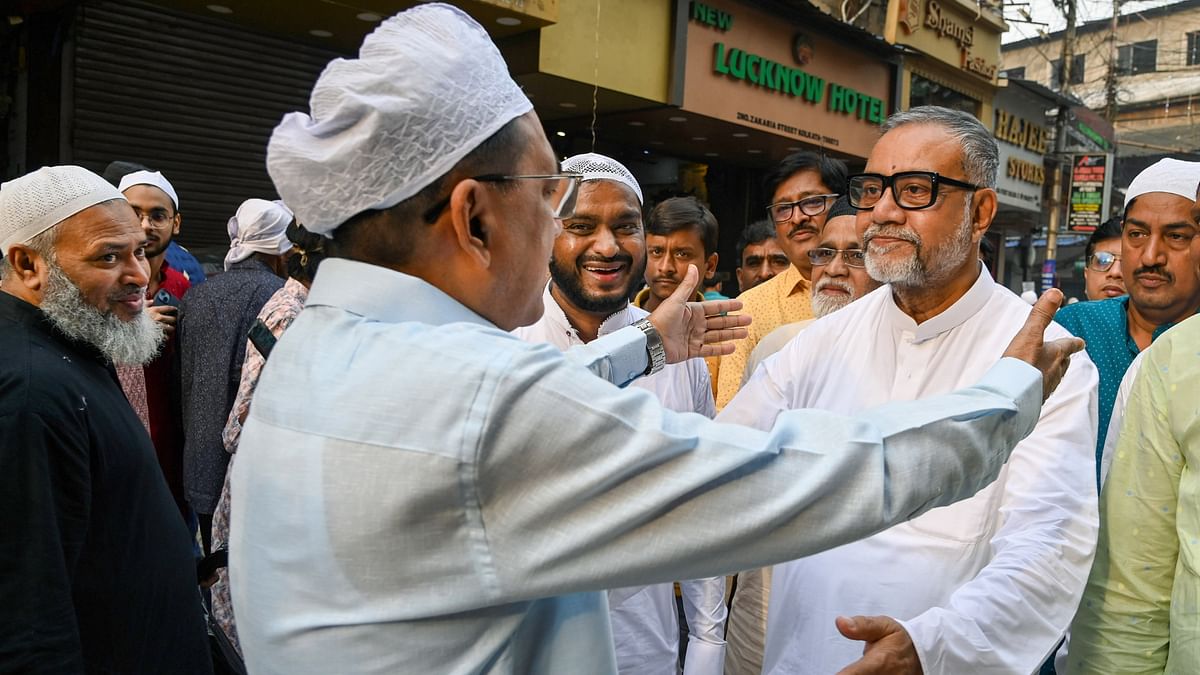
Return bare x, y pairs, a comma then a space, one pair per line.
815, 205
853, 257
1102, 261
566, 191
912, 190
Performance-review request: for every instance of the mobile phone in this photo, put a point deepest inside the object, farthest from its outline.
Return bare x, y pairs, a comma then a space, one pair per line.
162, 297
262, 338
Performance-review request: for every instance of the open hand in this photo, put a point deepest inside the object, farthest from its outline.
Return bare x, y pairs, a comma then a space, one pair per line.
691, 329
889, 649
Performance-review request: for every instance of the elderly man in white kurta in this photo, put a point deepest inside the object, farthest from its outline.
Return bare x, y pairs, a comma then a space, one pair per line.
988, 585
597, 259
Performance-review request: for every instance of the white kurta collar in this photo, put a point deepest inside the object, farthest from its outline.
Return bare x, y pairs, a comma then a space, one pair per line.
558, 322
954, 316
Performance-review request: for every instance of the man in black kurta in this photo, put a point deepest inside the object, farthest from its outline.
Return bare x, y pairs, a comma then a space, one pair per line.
96, 569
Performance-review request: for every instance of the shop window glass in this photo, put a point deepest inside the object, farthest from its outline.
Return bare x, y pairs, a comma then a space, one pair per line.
927, 92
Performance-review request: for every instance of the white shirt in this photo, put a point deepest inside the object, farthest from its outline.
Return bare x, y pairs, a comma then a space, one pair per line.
645, 622
988, 585
1118, 414
417, 491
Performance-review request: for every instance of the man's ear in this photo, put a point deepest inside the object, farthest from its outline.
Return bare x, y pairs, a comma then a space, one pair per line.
178, 222
710, 266
983, 211
473, 220
28, 268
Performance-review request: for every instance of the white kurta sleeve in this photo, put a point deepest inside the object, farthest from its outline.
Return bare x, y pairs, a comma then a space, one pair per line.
1010, 617
704, 609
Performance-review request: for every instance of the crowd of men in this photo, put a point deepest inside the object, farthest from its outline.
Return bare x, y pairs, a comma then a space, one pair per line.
425, 450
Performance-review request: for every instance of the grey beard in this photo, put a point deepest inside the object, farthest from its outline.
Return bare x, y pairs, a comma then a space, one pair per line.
125, 342
825, 304
912, 272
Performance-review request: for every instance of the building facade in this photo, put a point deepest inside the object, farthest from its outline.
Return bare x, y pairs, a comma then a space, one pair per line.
1143, 77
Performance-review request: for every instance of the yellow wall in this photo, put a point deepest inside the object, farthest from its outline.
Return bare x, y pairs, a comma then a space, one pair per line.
634, 45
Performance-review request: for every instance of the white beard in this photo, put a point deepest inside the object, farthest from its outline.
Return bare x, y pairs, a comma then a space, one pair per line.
911, 271
828, 304
132, 342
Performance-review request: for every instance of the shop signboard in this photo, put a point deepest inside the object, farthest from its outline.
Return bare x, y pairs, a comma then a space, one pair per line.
1023, 139
957, 33
1091, 179
746, 66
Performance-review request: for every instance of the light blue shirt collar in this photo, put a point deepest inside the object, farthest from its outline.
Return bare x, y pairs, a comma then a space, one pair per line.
381, 294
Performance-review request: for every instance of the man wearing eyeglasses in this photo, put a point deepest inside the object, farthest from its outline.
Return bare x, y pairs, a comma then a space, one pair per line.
1102, 262
153, 388
983, 586
839, 277
802, 187
419, 491
1160, 263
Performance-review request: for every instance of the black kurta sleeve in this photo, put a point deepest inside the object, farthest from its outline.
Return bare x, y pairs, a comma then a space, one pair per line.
44, 510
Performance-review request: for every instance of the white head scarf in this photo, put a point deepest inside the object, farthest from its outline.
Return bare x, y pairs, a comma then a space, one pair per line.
1172, 176
595, 166
39, 200
259, 226
154, 178
427, 88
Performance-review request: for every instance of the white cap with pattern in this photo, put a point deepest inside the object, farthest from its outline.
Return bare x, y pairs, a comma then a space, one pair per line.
154, 178
595, 166
1173, 176
41, 199
427, 88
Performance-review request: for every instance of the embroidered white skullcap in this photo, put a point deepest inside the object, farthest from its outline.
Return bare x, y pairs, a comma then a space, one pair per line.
41, 199
427, 88
595, 166
154, 178
1172, 176
259, 226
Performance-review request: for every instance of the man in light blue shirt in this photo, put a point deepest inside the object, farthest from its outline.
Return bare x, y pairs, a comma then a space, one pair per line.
420, 492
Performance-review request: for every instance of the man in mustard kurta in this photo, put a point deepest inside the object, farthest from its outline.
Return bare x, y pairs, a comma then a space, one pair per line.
802, 188
1141, 610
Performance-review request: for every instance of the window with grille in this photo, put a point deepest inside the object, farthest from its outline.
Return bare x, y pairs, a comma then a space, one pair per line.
1193, 49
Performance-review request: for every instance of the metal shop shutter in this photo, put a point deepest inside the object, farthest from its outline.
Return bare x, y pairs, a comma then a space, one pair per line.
193, 97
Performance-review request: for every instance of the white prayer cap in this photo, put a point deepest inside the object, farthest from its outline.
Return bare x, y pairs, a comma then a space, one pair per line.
427, 88
595, 166
39, 200
259, 226
154, 178
1172, 176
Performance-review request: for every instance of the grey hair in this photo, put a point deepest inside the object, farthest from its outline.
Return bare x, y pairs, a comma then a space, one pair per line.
43, 243
980, 154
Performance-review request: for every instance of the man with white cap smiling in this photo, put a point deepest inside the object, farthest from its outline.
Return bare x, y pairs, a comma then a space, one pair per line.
597, 261
419, 491
1160, 261
96, 570
214, 320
